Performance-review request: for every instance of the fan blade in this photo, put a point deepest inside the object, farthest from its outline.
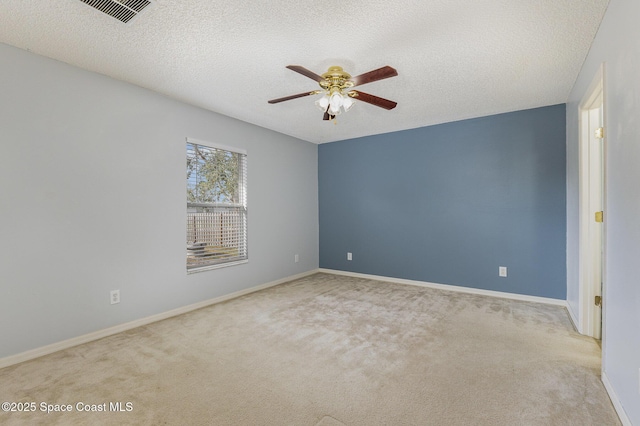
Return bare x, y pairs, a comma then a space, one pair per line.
288, 98
375, 75
302, 70
374, 100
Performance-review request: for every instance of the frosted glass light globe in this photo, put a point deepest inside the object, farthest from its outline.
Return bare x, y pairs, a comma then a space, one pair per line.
323, 102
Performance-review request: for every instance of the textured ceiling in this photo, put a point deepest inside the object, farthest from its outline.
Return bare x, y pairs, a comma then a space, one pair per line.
455, 59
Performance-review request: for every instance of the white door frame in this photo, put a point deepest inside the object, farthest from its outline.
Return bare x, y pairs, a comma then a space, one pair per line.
592, 197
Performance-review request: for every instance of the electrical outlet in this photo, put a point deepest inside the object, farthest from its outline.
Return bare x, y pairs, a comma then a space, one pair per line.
296, 258
114, 296
502, 271
349, 256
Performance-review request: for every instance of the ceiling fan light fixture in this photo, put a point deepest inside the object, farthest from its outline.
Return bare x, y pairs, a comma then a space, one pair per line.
335, 101
347, 103
323, 102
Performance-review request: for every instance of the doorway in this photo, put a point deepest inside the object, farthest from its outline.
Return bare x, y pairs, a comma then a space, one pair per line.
592, 201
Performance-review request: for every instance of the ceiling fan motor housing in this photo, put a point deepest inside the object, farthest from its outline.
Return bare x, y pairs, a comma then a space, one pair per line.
336, 77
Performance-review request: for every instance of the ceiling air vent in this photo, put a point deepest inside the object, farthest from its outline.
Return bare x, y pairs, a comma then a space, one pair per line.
122, 10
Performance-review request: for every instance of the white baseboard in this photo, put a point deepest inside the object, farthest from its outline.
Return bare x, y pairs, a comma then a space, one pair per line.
99, 334
574, 318
624, 419
500, 294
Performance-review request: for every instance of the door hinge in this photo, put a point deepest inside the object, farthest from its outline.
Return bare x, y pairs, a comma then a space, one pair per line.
598, 300
600, 217
600, 133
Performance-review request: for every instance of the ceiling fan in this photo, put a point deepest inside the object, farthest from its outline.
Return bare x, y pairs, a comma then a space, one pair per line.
336, 85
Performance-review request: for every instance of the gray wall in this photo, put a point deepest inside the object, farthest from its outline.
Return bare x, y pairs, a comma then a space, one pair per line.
92, 198
450, 203
617, 44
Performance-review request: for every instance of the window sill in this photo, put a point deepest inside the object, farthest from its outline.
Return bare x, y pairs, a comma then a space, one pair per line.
217, 266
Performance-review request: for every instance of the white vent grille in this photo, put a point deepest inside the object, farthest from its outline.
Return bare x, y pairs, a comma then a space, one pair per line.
122, 10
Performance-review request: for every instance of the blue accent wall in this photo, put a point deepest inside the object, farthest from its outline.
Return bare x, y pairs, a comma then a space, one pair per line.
451, 203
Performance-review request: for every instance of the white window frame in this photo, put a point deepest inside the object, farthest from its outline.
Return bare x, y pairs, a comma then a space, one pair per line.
220, 263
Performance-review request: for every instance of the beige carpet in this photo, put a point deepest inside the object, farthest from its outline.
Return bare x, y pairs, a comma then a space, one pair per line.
329, 351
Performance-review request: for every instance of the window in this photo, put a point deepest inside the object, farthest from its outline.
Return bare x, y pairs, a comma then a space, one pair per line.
216, 206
